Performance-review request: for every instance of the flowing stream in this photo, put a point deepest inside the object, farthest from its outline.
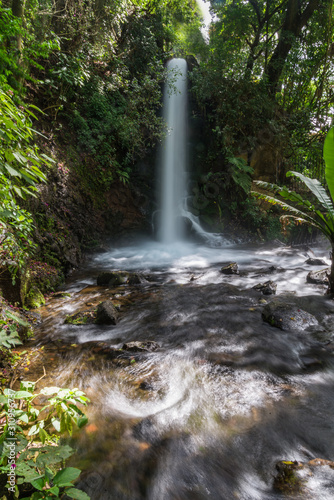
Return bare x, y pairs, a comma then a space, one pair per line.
225, 395
211, 396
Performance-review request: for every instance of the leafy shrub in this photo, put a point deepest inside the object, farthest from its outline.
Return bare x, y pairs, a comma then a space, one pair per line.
40, 419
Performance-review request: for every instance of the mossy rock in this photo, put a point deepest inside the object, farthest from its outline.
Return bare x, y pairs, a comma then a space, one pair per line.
288, 316
287, 480
80, 318
39, 278
231, 268
34, 298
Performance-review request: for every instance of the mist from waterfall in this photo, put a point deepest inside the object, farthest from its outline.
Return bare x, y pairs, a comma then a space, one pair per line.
174, 155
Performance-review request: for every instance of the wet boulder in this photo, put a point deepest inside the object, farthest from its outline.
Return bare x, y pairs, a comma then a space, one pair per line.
291, 477
146, 346
106, 313
117, 278
318, 277
287, 481
315, 262
231, 268
288, 316
267, 288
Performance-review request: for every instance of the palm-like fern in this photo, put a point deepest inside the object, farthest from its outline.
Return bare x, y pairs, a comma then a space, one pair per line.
304, 210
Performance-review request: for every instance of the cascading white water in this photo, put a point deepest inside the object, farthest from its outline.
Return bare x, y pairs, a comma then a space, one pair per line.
174, 152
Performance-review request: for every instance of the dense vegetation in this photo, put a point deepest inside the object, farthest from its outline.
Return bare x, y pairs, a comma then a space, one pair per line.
261, 85
266, 91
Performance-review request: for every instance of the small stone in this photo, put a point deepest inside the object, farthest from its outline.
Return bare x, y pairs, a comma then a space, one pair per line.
267, 288
315, 462
146, 346
231, 268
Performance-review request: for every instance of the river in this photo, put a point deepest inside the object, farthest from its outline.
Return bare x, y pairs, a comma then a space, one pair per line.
224, 395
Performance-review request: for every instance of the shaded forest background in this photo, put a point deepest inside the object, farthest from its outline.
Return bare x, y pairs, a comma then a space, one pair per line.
261, 101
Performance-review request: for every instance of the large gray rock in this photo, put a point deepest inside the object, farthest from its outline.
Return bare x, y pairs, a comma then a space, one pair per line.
288, 316
106, 313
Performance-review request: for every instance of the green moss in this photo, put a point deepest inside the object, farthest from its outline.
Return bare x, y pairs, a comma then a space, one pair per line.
71, 320
287, 481
81, 318
34, 298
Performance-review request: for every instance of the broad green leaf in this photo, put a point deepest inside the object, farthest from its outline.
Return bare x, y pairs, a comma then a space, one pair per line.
38, 483
10, 339
34, 430
317, 189
22, 395
65, 476
82, 421
43, 435
12, 171
77, 494
54, 490
56, 424
47, 391
18, 320
329, 160
24, 417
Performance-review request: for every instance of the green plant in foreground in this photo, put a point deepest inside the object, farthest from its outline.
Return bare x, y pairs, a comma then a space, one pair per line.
310, 213
41, 417
9, 336
20, 172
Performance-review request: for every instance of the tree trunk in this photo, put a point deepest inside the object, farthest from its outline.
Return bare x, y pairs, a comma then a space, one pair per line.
18, 11
294, 22
331, 274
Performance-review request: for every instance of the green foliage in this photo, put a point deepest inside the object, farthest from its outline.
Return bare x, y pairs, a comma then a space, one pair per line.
10, 27
329, 160
241, 173
320, 217
9, 335
41, 417
262, 76
20, 164
115, 119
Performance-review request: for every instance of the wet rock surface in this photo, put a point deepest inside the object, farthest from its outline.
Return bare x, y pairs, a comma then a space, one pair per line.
148, 346
318, 277
231, 268
287, 313
117, 278
267, 288
106, 313
291, 476
315, 262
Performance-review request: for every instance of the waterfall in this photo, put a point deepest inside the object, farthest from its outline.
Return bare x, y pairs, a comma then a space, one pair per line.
174, 152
